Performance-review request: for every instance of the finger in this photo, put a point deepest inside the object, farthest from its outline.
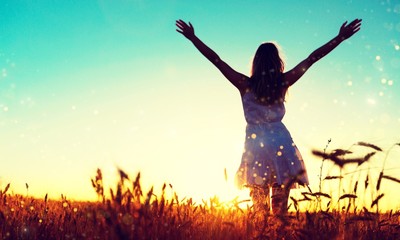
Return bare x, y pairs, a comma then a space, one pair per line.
354, 22
358, 25
190, 24
178, 25
186, 25
181, 23
356, 30
179, 31
343, 25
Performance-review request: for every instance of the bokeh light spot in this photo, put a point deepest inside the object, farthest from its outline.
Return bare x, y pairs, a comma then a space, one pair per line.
258, 180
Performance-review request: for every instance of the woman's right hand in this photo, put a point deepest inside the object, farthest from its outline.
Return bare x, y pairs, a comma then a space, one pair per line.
185, 29
347, 30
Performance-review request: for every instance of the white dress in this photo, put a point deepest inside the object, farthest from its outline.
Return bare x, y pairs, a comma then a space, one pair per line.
270, 155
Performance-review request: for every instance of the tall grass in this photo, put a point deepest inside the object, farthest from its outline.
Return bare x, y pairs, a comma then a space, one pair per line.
130, 212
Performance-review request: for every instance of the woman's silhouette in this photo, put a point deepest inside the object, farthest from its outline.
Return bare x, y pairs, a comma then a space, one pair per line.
271, 162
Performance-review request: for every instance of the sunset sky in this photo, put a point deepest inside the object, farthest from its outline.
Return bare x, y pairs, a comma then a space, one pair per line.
88, 84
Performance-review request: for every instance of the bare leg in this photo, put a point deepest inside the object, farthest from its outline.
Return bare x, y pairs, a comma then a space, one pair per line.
279, 199
261, 199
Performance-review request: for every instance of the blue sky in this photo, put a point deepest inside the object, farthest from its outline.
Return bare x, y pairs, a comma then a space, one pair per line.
105, 84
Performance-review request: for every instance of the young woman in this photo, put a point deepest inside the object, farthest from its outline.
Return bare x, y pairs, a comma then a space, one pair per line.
271, 163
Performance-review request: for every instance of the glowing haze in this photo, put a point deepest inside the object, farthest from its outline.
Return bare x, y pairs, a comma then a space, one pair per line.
93, 84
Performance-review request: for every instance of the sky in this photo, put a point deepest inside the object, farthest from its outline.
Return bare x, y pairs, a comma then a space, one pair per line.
111, 84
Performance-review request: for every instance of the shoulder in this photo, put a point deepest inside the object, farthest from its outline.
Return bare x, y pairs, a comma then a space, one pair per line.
244, 86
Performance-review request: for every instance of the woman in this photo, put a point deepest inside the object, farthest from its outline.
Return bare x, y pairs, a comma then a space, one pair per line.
271, 163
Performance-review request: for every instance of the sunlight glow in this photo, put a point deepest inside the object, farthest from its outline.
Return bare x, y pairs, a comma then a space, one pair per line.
142, 98
371, 101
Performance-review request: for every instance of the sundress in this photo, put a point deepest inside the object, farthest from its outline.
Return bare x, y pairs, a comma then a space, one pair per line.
270, 155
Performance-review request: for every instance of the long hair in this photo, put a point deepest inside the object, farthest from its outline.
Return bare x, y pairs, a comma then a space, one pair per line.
266, 75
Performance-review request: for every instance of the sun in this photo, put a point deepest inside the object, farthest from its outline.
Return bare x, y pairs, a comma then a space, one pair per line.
215, 186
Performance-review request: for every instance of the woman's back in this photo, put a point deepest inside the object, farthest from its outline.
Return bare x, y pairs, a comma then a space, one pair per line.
258, 113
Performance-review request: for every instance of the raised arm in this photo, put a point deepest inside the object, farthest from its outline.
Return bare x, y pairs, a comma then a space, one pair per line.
237, 79
345, 32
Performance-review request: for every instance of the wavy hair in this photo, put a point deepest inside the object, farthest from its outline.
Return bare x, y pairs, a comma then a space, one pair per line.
266, 75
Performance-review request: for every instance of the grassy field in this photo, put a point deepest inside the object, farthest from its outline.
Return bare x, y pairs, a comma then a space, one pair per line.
130, 212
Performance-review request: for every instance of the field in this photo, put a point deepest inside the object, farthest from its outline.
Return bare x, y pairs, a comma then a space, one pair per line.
130, 212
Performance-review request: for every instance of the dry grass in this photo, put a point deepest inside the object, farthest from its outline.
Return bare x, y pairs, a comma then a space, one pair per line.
132, 213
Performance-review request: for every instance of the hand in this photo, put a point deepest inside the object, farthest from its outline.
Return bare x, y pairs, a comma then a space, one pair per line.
348, 30
185, 29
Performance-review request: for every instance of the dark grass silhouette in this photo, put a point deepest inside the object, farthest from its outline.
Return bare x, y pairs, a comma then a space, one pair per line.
129, 212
